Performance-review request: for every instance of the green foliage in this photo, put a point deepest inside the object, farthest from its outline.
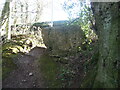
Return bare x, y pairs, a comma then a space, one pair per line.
66, 76
92, 62
54, 71
83, 16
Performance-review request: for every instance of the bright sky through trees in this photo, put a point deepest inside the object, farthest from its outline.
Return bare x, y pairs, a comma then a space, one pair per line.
49, 12
57, 14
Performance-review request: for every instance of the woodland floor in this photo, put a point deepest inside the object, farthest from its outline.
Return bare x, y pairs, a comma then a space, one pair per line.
28, 74
38, 69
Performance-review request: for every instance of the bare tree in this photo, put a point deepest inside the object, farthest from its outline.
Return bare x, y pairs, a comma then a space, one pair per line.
26, 8
5, 18
39, 9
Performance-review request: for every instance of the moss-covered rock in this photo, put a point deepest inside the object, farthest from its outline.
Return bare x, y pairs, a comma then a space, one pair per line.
63, 38
10, 50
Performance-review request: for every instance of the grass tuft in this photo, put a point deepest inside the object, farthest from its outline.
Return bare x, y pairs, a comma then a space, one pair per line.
50, 70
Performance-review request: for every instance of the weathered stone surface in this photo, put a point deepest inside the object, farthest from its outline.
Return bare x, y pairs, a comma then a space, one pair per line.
63, 38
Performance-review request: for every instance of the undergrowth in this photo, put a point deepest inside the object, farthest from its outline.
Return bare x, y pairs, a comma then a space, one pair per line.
50, 70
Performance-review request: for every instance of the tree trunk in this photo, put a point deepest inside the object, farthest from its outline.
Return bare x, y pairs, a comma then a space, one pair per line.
106, 72
106, 15
4, 16
9, 21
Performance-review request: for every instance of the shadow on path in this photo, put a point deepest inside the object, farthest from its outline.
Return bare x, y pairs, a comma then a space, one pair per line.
28, 73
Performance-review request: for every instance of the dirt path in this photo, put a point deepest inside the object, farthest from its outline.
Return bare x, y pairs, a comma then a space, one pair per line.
28, 73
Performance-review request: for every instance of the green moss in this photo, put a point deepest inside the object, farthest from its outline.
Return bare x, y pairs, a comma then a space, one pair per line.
89, 78
7, 66
50, 70
9, 52
98, 85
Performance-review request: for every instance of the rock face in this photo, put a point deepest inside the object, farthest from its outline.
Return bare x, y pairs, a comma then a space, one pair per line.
63, 38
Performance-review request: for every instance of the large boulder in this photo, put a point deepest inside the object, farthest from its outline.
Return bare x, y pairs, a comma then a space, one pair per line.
63, 38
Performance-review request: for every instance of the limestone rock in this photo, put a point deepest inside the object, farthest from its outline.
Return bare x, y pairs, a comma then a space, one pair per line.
63, 38
30, 74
